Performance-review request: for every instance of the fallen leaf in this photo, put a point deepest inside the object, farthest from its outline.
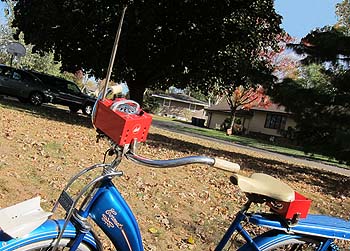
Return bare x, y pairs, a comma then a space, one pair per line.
190, 240
153, 230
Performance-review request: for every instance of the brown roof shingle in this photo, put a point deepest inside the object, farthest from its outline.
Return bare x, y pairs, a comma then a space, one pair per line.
224, 107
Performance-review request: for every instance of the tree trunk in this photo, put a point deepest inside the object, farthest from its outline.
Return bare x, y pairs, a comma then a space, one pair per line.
136, 89
231, 129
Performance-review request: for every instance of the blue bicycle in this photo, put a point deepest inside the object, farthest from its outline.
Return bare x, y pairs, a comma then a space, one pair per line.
26, 226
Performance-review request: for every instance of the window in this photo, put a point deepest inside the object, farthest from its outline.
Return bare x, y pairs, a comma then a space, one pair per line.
192, 107
73, 88
5, 72
2, 71
275, 121
25, 76
17, 76
166, 102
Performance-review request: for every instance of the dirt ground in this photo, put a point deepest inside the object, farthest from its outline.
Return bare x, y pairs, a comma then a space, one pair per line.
185, 208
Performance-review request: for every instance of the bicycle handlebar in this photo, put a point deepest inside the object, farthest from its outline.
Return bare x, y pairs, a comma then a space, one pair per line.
215, 162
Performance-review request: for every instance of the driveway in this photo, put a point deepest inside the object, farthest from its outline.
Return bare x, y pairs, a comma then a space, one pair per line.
176, 127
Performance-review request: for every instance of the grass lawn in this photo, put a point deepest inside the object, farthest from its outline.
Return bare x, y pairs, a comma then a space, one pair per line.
248, 141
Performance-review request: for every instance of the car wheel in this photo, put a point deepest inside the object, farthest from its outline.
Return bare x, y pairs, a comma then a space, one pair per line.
73, 109
87, 109
36, 98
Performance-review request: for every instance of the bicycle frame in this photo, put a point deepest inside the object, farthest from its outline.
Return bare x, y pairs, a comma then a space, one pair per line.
112, 214
263, 240
236, 226
106, 207
322, 228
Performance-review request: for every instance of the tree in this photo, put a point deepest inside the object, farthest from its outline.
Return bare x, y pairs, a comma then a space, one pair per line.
343, 13
5, 35
328, 44
320, 97
40, 62
284, 62
245, 98
196, 93
43, 62
163, 43
253, 95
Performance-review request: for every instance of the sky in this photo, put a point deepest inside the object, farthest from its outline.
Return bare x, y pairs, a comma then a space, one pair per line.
302, 16
2, 13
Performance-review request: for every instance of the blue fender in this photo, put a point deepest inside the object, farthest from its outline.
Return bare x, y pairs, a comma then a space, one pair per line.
48, 230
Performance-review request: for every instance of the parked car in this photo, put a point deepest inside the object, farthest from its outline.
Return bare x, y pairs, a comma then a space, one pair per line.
67, 93
23, 85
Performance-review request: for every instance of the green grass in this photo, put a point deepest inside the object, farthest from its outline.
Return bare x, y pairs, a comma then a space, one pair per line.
251, 142
53, 148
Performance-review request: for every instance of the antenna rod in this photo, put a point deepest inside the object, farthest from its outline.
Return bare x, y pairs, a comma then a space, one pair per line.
114, 51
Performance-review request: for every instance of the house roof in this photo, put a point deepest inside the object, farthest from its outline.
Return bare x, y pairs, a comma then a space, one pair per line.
181, 98
224, 107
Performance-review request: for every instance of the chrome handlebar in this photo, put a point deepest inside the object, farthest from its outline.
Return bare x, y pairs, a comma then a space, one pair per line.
215, 162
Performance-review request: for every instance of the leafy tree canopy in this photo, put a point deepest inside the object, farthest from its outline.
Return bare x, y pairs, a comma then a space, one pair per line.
343, 13
320, 97
320, 101
245, 98
163, 43
329, 44
44, 62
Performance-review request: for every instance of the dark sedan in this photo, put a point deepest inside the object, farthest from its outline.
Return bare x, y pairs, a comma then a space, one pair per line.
67, 93
23, 85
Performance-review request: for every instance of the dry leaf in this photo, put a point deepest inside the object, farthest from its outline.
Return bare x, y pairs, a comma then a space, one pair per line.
153, 230
190, 240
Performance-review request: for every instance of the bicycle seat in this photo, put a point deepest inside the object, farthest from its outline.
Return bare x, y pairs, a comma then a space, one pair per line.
263, 184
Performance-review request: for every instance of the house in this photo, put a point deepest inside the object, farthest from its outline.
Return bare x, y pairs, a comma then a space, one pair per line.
181, 106
273, 120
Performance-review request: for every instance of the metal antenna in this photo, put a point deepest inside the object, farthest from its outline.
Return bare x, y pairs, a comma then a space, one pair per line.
114, 51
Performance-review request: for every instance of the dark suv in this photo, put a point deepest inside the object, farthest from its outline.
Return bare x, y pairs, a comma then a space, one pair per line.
67, 93
23, 85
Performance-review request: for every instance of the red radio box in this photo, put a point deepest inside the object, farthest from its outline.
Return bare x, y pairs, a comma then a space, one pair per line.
122, 127
299, 207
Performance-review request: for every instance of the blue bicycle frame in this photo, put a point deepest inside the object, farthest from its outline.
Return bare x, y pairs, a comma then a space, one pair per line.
321, 228
108, 210
106, 207
112, 214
